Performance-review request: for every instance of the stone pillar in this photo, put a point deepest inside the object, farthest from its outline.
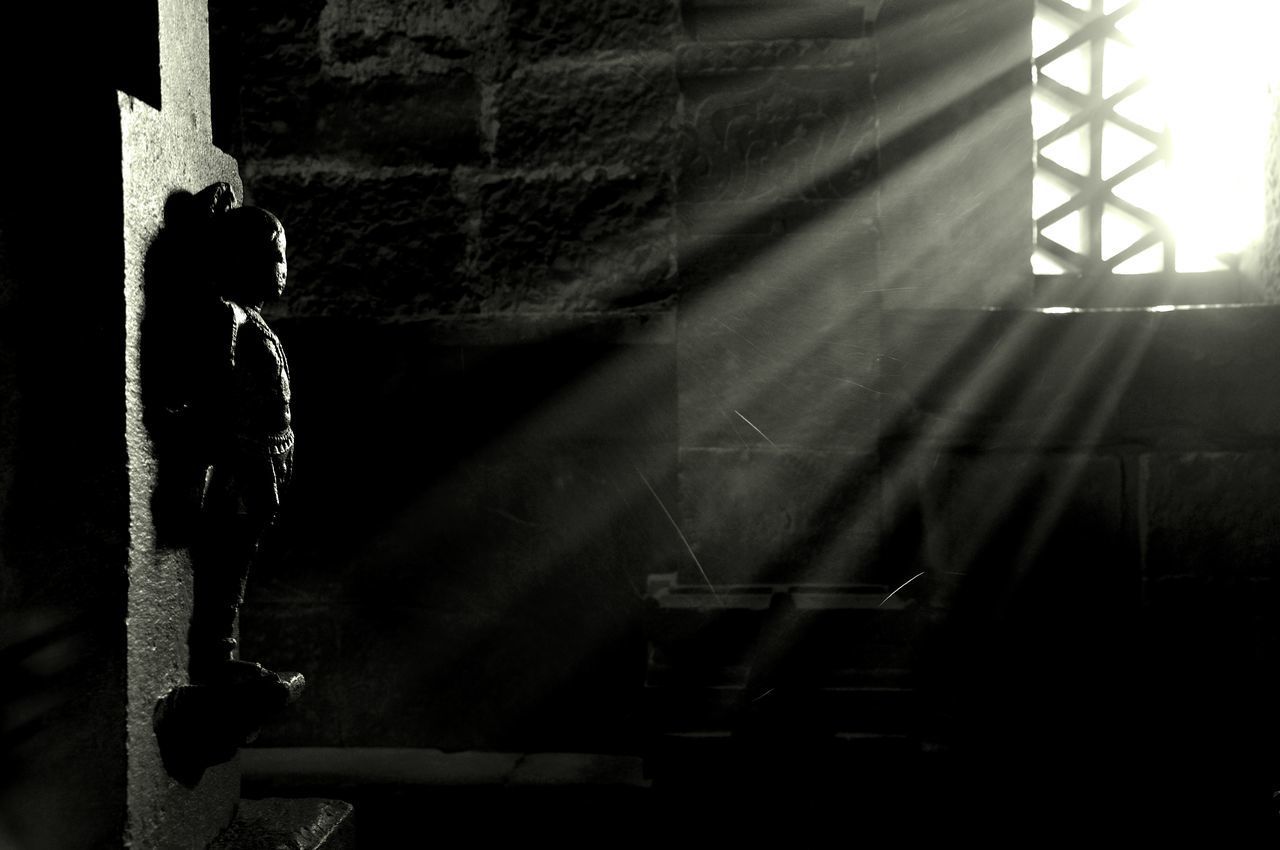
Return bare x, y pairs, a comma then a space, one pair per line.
94, 610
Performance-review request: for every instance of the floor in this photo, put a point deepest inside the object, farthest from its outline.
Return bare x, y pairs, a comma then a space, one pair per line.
404, 797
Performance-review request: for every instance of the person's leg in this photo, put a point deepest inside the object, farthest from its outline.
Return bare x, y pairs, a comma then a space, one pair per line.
221, 558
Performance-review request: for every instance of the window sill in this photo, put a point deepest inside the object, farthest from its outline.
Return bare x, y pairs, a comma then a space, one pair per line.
1217, 288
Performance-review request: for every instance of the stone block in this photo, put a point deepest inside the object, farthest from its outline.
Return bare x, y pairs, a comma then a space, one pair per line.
283, 36
942, 48
1211, 516
557, 526
1205, 379
767, 20
449, 416
303, 89
778, 516
564, 517
589, 241
1037, 575
583, 26
433, 119
1037, 580
1031, 517
956, 204
779, 342
957, 162
430, 119
566, 393
374, 243
762, 128
1014, 535
769, 140
1184, 379
987, 378
363, 37
696, 60
276, 45
769, 222
616, 112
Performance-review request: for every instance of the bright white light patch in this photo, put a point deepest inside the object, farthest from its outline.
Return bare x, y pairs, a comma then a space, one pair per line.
1211, 66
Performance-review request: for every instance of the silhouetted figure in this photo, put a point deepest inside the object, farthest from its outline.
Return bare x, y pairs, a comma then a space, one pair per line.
219, 413
243, 424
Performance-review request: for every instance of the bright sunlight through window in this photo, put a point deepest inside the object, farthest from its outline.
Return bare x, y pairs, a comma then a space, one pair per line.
1151, 121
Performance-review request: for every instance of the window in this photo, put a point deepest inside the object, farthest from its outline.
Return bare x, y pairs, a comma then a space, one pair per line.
1151, 121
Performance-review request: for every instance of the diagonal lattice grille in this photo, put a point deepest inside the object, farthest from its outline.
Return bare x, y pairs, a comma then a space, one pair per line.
1100, 146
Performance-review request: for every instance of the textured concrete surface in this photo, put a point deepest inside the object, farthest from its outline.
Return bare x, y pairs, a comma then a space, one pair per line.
769, 514
291, 824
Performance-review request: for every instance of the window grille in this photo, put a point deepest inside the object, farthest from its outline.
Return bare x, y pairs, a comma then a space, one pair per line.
1101, 145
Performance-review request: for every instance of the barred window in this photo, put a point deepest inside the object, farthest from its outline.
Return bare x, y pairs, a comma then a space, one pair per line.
1151, 121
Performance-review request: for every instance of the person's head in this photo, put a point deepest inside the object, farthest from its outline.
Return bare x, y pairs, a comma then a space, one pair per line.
249, 265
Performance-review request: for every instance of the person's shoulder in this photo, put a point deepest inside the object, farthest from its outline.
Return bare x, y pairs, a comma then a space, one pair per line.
230, 311
253, 318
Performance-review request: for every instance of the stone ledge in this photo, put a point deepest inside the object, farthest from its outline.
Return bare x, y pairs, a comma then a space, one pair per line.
576, 112
365, 767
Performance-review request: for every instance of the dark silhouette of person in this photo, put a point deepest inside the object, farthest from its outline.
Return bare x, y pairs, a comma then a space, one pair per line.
243, 425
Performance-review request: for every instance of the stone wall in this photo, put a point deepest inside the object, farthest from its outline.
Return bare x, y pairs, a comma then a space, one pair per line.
1094, 497
841, 160
565, 275
480, 207
562, 276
